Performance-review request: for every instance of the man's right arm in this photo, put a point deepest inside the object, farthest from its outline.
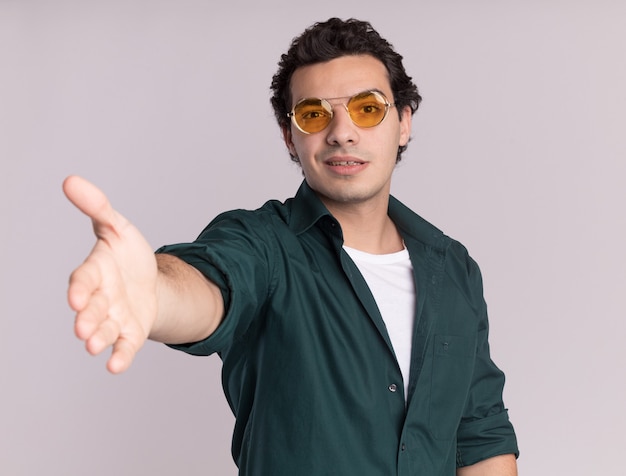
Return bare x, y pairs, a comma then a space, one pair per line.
190, 307
123, 294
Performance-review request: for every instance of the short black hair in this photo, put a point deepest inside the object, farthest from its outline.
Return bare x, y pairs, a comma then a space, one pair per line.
332, 39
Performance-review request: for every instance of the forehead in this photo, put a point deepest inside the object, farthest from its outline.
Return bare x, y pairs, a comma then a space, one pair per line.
340, 77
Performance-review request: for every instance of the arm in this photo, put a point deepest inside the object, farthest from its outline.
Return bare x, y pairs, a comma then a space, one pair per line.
190, 307
123, 294
503, 465
485, 429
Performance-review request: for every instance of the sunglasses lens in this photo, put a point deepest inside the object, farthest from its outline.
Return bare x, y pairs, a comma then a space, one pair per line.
312, 115
368, 109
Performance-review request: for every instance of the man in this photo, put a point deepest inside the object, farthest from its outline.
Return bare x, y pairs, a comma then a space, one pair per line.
353, 333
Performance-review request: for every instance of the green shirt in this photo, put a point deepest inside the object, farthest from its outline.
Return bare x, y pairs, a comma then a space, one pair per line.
308, 367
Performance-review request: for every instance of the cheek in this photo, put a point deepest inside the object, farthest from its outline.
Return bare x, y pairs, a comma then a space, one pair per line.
304, 146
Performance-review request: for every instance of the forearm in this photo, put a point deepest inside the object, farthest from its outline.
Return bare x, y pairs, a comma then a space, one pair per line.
503, 465
190, 307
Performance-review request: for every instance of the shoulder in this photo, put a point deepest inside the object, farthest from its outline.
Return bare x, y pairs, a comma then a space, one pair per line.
456, 254
460, 259
268, 218
460, 268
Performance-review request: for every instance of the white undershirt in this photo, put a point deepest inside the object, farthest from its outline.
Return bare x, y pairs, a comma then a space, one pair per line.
390, 279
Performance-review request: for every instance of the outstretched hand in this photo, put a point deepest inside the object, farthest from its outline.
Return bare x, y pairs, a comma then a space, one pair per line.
114, 291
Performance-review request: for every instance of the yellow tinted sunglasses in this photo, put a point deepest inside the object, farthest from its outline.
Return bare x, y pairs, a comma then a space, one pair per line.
366, 109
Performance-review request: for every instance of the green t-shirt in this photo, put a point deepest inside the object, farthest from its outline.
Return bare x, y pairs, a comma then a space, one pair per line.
308, 367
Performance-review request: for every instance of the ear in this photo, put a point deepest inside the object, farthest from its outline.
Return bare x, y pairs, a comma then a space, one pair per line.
405, 125
287, 137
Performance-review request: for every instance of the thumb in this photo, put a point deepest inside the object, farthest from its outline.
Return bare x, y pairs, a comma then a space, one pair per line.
90, 200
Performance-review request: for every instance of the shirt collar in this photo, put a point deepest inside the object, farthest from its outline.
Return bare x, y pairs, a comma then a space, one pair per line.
307, 209
411, 225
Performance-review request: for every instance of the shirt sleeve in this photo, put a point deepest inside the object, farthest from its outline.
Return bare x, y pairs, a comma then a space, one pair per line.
235, 252
485, 430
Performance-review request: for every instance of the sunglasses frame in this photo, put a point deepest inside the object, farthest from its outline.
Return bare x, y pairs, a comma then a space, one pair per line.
326, 102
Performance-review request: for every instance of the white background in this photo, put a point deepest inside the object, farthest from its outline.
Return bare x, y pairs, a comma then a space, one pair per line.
518, 151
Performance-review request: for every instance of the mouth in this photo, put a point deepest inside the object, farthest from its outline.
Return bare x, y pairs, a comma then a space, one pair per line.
343, 160
340, 163
345, 166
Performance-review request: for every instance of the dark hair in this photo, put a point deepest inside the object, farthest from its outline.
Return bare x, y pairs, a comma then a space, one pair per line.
332, 39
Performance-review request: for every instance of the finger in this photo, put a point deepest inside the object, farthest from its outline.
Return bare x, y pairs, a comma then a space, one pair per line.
123, 355
107, 334
90, 200
84, 281
91, 316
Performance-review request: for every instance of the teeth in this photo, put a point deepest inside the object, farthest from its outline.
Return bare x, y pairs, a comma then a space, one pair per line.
346, 163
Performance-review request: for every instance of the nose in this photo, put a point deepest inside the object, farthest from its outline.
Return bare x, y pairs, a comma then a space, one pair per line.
341, 130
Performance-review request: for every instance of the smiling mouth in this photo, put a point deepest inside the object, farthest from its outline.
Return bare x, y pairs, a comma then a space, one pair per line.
339, 163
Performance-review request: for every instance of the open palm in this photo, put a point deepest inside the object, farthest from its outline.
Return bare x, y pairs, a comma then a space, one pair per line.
114, 291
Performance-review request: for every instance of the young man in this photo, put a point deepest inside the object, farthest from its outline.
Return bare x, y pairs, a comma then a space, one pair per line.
353, 333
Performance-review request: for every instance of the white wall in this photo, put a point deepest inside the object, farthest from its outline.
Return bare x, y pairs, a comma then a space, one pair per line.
519, 151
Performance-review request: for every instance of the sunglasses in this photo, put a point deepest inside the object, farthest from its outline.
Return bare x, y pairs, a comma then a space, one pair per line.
366, 109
